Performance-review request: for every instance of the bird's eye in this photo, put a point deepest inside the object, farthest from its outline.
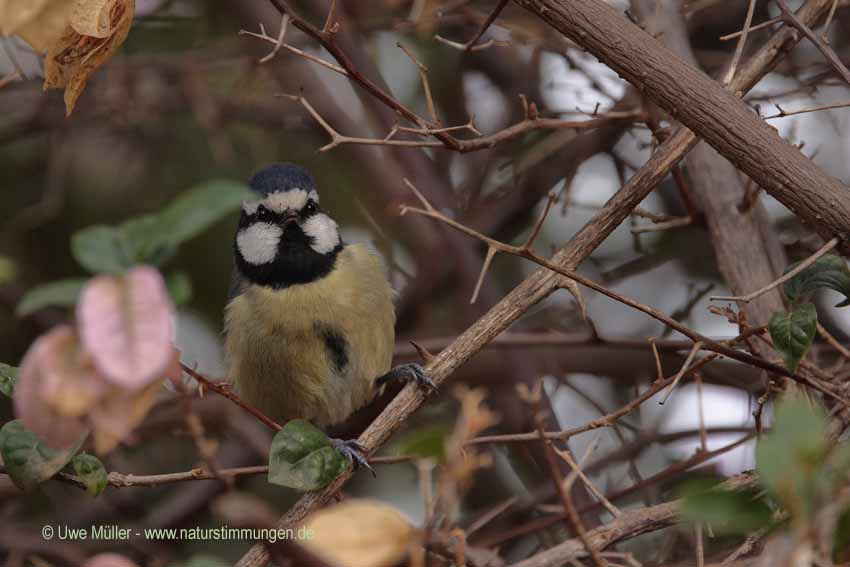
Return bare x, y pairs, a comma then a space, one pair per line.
310, 208
264, 214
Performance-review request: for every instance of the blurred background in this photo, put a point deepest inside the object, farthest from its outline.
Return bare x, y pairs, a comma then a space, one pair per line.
187, 100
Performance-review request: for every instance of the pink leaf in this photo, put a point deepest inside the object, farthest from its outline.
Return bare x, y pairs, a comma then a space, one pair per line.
53, 369
109, 560
125, 324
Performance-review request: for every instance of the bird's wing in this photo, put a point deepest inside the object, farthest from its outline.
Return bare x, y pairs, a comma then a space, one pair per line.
237, 283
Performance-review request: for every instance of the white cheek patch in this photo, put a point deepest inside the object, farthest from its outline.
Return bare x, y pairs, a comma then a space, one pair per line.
323, 231
294, 199
258, 243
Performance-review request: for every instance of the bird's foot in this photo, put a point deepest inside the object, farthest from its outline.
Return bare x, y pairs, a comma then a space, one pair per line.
410, 372
354, 452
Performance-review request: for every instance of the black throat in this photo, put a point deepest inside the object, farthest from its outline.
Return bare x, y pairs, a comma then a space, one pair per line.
296, 262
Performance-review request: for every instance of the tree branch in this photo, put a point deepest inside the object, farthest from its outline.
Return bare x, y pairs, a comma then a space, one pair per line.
703, 105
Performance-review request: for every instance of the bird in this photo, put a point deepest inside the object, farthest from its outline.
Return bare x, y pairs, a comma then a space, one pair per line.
310, 322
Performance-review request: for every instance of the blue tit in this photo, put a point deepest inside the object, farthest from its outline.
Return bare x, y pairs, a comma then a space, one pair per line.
310, 323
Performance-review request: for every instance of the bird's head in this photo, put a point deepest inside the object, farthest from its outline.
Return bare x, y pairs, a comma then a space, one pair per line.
284, 237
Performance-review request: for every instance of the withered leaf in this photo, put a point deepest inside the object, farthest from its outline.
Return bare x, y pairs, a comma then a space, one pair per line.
361, 532
75, 57
38, 22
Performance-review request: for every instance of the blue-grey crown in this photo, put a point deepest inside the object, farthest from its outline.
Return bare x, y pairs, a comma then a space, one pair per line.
281, 177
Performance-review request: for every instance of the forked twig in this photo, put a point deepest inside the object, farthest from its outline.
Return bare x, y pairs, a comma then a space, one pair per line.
472, 44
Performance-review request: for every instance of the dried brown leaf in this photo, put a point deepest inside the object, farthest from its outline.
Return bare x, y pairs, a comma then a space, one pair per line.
16, 13
92, 17
115, 417
75, 57
38, 22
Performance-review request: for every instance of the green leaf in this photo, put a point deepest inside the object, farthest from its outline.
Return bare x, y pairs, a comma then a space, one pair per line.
61, 293
792, 333
302, 457
139, 237
100, 249
197, 209
179, 287
728, 512
91, 471
425, 442
8, 375
27, 461
790, 458
153, 238
829, 271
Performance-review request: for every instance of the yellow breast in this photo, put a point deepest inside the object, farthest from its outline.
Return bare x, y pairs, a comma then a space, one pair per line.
276, 344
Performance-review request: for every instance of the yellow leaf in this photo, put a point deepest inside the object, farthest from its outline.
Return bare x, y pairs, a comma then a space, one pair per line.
16, 13
114, 418
361, 532
92, 17
75, 57
41, 30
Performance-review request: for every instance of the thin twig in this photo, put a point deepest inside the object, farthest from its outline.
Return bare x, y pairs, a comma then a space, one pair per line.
700, 554
426, 86
664, 225
279, 44
827, 51
613, 510
783, 113
221, 389
691, 355
833, 242
739, 49
825, 33
703, 436
284, 23
120, 480
758, 26
833, 342
471, 44
570, 511
659, 371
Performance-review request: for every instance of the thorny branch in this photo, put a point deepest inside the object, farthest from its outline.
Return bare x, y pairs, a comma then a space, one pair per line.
530, 123
711, 344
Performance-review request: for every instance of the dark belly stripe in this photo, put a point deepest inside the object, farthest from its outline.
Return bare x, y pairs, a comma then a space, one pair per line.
336, 345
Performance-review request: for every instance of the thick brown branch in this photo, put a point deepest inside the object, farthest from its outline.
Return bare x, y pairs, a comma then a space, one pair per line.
703, 105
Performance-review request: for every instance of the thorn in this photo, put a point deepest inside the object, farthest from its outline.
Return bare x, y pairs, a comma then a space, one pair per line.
426, 356
574, 290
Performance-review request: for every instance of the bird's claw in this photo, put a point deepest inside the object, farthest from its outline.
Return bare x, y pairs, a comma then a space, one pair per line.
410, 372
354, 452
